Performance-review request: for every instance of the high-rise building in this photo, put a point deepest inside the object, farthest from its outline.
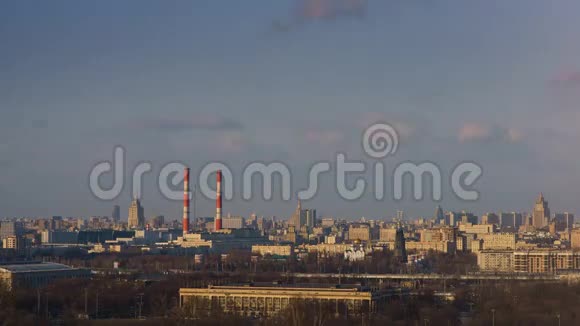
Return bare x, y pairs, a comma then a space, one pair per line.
439, 215
136, 215
490, 218
511, 221
400, 215
453, 218
156, 221
296, 219
564, 221
56, 223
575, 239
400, 249
467, 217
303, 217
116, 216
311, 218
11, 242
541, 214
11, 229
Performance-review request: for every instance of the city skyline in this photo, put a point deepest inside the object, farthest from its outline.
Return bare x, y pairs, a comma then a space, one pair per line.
303, 162
239, 83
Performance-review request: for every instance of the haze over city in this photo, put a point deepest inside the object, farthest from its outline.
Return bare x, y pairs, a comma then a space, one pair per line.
289, 162
194, 82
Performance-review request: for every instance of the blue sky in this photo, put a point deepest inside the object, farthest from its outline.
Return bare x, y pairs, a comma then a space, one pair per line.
495, 82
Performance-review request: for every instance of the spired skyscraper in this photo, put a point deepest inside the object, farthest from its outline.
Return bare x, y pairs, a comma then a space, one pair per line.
303, 217
439, 215
136, 215
541, 215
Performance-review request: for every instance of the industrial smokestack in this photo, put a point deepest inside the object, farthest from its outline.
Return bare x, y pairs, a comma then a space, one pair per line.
218, 201
186, 202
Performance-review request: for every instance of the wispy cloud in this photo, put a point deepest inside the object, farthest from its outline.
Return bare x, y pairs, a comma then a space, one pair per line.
324, 137
313, 10
231, 142
402, 125
569, 78
203, 122
481, 132
331, 9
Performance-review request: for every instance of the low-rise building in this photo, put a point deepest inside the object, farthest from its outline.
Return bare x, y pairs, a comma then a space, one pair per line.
359, 232
387, 234
233, 222
37, 274
273, 250
328, 249
498, 241
537, 261
496, 261
268, 300
545, 261
476, 228
447, 247
224, 240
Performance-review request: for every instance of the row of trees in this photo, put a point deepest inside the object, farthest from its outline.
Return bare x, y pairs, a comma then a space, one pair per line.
242, 262
510, 303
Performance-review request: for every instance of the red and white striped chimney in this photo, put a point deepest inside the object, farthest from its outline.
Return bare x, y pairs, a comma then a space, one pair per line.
218, 201
186, 201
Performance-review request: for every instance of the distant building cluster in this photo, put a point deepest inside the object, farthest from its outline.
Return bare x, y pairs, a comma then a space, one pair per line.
498, 239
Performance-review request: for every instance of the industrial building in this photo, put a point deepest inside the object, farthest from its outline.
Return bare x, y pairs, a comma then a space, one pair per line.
268, 300
223, 241
33, 274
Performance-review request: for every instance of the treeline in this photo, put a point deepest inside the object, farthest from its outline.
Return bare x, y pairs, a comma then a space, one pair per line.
381, 262
105, 300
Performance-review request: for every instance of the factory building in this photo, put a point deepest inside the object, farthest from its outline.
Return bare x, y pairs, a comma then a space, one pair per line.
224, 240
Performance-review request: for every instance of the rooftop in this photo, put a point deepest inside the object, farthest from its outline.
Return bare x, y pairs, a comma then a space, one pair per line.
32, 267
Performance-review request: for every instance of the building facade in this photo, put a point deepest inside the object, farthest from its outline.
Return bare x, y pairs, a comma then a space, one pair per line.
273, 250
387, 234
497, 261
575, 239
359, 232
11, 229
535, 261
233, 222
136, 217
37, 274
264, 301
541, 214
116, 216
498, 241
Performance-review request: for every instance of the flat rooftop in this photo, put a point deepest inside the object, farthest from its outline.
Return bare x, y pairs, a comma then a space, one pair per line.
22, 267
296, 286
288, 291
